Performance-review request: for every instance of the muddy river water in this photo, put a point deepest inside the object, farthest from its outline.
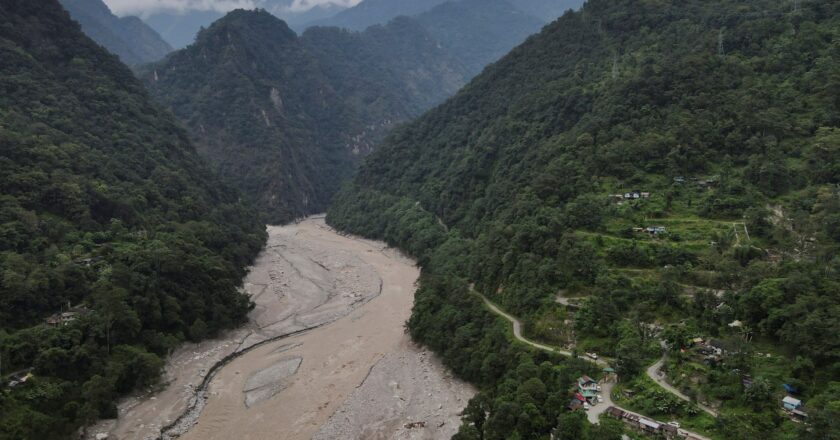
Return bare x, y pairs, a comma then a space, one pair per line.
324, 355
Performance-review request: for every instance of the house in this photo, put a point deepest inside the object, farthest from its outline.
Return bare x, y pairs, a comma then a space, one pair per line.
790, 403
87, 261
670, 431
636, 194
708, 183
696, 341
615, 412
798, 415
648, 425
574, 405
717, 345
587, 387
65, 318
61, 319
20, 379
655, 230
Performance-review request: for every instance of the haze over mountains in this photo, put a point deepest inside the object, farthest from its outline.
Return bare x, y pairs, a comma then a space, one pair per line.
128, 37
370, 12
180, 27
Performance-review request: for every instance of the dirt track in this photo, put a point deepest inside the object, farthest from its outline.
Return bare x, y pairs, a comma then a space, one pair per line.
353, 374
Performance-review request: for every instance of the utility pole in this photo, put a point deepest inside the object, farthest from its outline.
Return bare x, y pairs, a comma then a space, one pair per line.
721, 52
796, 4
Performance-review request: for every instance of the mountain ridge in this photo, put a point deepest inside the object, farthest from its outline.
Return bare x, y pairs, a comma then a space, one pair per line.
286, 117
127, 37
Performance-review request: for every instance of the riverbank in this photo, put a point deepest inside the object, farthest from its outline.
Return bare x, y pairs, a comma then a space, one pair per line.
328, 326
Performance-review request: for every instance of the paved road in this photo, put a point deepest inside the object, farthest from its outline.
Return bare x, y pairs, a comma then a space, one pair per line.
606, 388
517, 329
653, 373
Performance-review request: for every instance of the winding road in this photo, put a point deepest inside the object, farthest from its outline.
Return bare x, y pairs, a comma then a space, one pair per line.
595, 411
653, 373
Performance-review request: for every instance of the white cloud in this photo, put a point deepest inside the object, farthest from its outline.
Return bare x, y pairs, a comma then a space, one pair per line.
305, 5
147, 7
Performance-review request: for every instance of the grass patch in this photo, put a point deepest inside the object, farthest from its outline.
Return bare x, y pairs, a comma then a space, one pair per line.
651, 400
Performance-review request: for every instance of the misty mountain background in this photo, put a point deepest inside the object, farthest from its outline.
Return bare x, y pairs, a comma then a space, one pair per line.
178, 21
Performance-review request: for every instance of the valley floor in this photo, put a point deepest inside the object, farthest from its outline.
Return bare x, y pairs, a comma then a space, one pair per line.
324, 355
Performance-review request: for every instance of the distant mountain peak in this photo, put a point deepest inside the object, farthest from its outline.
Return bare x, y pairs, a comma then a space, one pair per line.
253, 22
127, 37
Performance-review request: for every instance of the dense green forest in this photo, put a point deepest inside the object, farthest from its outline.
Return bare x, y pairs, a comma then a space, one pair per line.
284, 118
667, 165
105, 208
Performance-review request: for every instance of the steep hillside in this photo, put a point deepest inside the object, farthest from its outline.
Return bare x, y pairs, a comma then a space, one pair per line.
668, 163
479, 32
285, 118
128, 37
107, 208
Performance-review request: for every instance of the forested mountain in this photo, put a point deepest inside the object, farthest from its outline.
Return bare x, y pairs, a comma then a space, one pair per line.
370, 12
105, 207
127, 37
672, 167
285, 118
479, 32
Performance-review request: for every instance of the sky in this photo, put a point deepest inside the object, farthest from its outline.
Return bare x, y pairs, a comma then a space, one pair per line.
146, 7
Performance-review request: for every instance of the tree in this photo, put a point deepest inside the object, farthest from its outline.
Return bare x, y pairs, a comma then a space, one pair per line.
676, 336
114, 313
570, 426
760, 394
198, 330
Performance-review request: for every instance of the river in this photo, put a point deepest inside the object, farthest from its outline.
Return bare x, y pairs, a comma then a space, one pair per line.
324, 355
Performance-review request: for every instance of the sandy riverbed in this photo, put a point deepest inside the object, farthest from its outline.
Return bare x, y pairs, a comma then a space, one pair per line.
354, 374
